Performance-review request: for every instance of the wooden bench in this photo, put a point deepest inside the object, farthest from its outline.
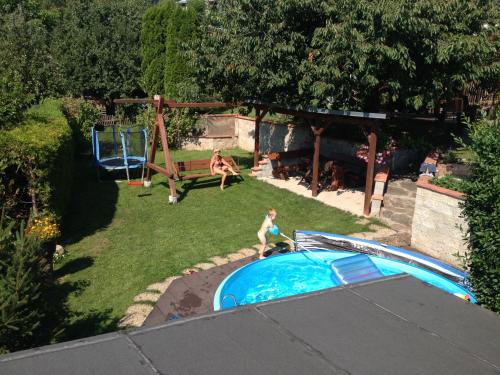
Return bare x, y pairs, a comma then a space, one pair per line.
199, 165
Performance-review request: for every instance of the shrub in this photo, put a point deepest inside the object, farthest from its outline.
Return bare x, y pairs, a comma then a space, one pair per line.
82, 115
481, 210
21, 305
449, 182
36, 163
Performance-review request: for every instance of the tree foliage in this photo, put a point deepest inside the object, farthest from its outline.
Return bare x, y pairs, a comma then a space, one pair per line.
399, 54
36, 163
167, 28
28, 71
482, 213
153, 42
253, 49
96, 42
21, 305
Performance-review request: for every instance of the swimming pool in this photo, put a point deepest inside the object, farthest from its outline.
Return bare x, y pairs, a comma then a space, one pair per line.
307, 271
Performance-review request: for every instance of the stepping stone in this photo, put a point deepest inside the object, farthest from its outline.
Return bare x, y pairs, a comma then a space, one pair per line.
235, 256
189, 271
247, 252
204, 266
163, 286
148, 296
219, 261
135, 315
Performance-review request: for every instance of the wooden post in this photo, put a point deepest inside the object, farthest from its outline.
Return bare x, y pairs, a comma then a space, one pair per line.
259, 115
154, 138
160, 131
370, 168
317, 131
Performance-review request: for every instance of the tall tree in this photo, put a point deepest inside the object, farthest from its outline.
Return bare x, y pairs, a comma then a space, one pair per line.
167, 29
359, 54
28, 71
21, 306
97, 45
183, 28
401, 53
153, 43
254, 48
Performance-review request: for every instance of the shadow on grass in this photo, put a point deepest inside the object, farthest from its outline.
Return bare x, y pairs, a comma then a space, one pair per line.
203, 184
61, 324
244, 162
74, 266
92, 206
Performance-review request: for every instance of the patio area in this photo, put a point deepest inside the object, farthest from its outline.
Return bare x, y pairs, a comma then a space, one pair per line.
350, 200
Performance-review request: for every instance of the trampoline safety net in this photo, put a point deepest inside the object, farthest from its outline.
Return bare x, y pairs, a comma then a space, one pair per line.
116, 148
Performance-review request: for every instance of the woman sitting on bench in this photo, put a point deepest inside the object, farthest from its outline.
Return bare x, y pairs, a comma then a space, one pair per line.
220, 166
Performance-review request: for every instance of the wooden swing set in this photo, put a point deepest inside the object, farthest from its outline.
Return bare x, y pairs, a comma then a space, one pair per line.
173, 170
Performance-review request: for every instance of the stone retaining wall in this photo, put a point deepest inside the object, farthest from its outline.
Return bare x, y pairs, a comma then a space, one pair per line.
437, 228
231, 130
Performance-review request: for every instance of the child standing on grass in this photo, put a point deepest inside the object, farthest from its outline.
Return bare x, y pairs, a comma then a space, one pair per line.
261, 234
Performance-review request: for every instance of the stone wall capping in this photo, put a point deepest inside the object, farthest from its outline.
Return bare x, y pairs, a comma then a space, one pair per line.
424, 183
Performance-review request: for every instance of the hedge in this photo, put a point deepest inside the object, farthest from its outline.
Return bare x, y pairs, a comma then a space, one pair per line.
36, 163
481, 209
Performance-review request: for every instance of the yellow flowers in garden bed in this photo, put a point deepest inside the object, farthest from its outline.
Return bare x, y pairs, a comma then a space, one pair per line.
45, 228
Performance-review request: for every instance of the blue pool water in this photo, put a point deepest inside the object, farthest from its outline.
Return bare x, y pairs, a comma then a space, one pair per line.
302, 272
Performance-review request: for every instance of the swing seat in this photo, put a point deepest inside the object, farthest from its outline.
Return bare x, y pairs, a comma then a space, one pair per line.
199, 165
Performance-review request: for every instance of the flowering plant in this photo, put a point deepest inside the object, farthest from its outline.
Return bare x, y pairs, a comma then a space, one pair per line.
44, 228
382, 155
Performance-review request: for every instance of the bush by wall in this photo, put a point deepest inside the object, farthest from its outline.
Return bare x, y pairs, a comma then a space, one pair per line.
482, 212
36, 162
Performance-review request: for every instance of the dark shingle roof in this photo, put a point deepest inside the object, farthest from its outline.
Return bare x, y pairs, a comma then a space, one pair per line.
396, 325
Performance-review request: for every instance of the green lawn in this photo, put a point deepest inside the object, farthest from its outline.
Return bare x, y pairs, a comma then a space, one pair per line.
122, 238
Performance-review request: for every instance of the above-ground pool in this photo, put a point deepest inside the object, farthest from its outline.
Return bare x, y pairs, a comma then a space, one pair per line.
307, 271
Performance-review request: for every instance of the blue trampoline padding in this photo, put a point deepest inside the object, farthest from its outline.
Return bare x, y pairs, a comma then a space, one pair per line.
354, 269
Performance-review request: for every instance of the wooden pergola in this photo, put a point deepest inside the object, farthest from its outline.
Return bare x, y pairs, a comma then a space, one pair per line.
319, 119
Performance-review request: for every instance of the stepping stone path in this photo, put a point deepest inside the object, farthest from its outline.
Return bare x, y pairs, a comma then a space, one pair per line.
219, 261
137, 313
247, 252
147, 297
204, 266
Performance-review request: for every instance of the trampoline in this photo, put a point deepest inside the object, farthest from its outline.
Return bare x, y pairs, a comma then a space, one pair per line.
118, 148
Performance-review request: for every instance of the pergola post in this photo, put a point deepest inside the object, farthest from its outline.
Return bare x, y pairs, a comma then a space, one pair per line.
259, 115
317, 131
370, 168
